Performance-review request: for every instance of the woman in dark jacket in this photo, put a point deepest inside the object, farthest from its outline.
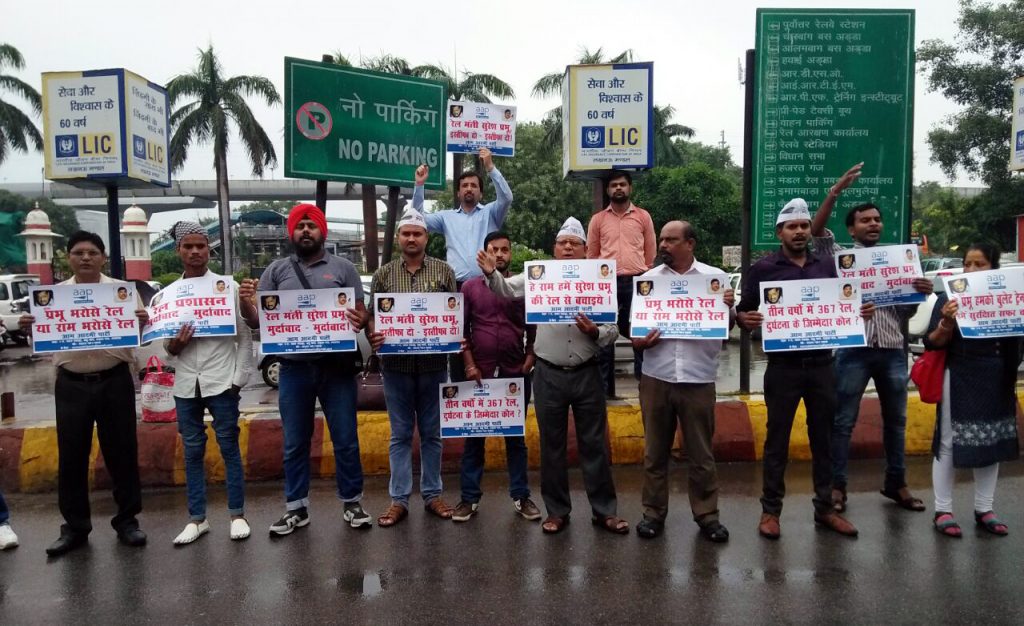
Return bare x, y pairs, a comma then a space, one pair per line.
976, 421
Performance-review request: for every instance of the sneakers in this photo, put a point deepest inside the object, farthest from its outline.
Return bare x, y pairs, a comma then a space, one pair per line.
464, 510
240, 529
289, 522
7, 537
356, 516
193, 531
526, 508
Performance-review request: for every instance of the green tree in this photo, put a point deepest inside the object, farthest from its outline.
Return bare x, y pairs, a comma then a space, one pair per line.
976, 71
277, 206
166, 262
469, 87
666, 147
215, 103
17, 131
63, 220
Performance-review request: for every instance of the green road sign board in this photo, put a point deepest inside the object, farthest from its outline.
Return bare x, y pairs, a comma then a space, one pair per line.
354, 125
833, 88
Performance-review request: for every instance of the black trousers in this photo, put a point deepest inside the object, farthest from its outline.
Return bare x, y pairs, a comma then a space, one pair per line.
108, 400
785, 383
554, 392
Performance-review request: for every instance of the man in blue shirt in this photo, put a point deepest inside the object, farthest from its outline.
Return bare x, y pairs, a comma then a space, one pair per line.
466, 226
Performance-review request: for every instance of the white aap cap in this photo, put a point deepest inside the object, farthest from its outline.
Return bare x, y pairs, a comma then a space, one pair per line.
573, 227
795, 209
412, 217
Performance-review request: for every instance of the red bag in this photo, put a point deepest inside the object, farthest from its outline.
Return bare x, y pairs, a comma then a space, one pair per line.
927, 373
158, 393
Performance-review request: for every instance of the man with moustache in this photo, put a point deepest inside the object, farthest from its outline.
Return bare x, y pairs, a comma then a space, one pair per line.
466, 226
624, 232
567, 376
678, 387
327, 377
495, 332
209, 375
94, 387
795, 375
883, 360
411, 381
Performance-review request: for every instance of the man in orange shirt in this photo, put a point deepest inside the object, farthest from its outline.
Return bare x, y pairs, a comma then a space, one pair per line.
624, 232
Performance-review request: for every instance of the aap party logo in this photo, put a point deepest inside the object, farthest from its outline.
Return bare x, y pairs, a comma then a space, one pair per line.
306, 300
593, 136
996, 281
82, 296
67, 145
679, 288
138, 147
810, 294
418, 305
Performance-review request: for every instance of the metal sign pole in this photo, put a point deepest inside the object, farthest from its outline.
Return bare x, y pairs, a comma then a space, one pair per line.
114, 234
745, 210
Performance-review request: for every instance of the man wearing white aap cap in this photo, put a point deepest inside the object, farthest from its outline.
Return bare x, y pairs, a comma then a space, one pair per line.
567, 376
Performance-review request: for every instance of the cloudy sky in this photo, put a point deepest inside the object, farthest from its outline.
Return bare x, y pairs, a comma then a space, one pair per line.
695, 46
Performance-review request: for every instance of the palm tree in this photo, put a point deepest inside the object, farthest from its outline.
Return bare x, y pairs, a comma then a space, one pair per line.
214, 101
473, 88
16, 129
551, 85
666, 150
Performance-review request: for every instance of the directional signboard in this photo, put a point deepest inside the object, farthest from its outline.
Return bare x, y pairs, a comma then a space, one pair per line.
354, 125
833, 87
105, 127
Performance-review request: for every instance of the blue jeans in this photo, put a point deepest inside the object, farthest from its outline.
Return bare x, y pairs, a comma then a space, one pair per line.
888, 368
301, 384
472, 466
412, 401
5, 515
224, 408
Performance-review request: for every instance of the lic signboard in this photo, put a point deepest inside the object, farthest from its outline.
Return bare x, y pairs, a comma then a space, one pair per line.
105, 127
607, 118
1017, 132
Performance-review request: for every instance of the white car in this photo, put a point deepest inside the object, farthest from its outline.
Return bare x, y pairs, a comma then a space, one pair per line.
14, 302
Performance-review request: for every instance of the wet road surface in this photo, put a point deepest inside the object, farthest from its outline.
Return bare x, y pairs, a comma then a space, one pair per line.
500, 569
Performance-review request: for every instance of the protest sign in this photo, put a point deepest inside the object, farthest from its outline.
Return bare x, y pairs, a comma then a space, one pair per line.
475, 125
419, 323
682, 306
558, 291
206, 302
496, 408
302, 321
86, 316
813, 314
886, 273
991, 303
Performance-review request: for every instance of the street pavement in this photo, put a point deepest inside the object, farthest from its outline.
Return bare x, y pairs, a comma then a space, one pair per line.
500, 569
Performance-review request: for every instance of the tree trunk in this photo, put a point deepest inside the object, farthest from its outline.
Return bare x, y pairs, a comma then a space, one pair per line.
390, 222
224, 211
372, 261
457, 163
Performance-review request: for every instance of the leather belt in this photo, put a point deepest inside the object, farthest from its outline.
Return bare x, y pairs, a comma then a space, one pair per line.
569, 368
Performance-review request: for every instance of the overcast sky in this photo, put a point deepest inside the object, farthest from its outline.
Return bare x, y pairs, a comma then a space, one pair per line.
695, 47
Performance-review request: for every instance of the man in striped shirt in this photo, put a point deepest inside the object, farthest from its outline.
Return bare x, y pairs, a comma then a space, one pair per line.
883, 360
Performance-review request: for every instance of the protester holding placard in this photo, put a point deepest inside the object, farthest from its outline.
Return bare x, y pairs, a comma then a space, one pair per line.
327, 377
976, 421
94, 387
567, 376
411, 381
8, 539
883, 360
795, 375
495, 333
624, 232
209, 375
678, 387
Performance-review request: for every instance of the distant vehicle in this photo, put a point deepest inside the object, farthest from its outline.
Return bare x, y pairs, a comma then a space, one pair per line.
940, 263
14, 302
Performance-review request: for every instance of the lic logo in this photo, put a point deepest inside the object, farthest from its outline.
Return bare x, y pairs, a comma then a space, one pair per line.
139, 147
67, 145
593, 136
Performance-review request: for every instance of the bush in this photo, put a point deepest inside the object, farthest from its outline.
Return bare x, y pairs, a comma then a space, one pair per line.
167, 279
521, 254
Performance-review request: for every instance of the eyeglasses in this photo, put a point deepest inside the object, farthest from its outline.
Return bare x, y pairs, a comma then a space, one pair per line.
85, 253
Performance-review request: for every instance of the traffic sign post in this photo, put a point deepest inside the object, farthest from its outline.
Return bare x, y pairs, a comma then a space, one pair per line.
833, 87
354, 125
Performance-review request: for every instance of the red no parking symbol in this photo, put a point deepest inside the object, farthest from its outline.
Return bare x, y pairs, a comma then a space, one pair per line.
313, 121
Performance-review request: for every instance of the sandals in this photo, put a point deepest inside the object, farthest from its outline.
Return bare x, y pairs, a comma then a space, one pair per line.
989, 522
904, 499
611, 523
946, 524
395, 513
554, 524
440, 508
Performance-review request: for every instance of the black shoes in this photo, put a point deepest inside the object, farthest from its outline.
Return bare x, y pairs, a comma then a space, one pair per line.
66, 543
132, 536
649, 528
714, 531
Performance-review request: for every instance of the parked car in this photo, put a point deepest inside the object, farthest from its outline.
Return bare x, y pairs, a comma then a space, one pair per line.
933, 264
14, 302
